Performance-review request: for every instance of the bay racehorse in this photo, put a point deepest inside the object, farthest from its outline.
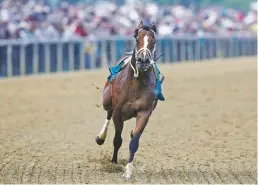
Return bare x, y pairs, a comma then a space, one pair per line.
133, 92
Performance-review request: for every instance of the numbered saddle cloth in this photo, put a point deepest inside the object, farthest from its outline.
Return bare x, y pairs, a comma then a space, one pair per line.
124, 61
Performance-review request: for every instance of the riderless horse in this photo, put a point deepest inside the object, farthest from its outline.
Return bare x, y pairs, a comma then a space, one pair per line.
132, 90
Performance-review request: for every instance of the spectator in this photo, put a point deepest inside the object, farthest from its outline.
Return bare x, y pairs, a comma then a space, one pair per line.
31, 19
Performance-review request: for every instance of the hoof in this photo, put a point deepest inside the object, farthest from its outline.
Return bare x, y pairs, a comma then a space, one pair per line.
99, 141
114, 162
128, 171
127, 176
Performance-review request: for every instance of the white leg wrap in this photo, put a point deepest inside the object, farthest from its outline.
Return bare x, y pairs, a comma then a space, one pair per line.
103, 132
128, 170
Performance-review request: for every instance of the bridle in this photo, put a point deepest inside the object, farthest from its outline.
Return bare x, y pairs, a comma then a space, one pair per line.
139, 52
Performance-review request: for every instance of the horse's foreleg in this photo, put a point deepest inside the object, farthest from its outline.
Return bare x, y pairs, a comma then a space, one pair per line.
141, 122
119, 124
100, 139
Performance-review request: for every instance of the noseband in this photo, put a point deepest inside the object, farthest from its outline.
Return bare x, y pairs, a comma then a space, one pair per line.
138, 53
146, 50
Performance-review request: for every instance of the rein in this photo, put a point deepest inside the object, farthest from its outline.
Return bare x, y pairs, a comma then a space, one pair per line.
135, 70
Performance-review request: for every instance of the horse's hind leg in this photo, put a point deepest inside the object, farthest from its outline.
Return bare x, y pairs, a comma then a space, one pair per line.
107, 105
119, 124
107, 97
155, 104
100, 139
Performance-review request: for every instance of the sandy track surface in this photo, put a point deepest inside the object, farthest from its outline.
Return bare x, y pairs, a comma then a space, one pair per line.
205, 131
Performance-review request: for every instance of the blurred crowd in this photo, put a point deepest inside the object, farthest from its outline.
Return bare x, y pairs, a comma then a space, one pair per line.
30, 19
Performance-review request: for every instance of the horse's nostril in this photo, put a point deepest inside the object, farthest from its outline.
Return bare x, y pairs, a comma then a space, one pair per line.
147, 61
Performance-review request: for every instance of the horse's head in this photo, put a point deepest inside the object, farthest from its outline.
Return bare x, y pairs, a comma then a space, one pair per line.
145, 46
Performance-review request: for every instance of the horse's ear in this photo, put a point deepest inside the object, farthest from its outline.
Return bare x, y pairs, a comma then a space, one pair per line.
153, 27
140, 25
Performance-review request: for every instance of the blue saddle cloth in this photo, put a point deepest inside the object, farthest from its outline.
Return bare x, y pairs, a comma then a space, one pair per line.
159, 94
114, 70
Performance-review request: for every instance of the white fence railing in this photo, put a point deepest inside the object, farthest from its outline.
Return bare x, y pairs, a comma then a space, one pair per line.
19, 57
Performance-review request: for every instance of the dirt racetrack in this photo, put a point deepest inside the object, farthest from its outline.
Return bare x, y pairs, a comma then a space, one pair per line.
205, 131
